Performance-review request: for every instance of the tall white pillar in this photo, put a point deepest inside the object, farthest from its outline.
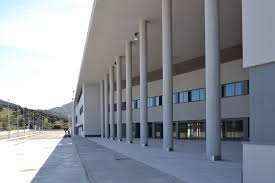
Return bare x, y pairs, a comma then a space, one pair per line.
106, 110
167, 58
129, 127
119, 99
102, 108
143, 83
112, 121
212, 70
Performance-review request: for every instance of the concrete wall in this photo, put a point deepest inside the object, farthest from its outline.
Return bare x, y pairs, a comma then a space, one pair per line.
92, 110
258, 163
258, 32
262, 100
232, 107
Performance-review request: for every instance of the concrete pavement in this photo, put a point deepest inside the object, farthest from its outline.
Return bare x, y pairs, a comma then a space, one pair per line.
188, 161
106, 166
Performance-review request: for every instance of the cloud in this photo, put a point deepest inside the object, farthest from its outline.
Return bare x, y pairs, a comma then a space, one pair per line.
53, 35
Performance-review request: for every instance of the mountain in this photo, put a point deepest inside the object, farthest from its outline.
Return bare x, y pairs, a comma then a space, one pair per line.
64, 110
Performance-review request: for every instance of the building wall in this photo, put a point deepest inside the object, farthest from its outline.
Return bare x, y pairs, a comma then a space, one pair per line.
92, 110
258, 32
262, 100
232, 107
80, 118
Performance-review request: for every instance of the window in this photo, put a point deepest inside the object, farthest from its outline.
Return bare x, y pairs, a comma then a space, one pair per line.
151, 102
138, 103
81, 110
133, 104
175, 98
158, 101
123, 106
115, 107
235, 89
229, 90
195, 95
239, 88
202, 94
183, 97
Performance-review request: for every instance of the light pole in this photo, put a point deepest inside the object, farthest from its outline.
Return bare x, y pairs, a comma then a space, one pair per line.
17, 122
9, 117
33, 122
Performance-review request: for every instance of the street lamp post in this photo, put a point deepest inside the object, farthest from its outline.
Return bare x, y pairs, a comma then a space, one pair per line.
9, 117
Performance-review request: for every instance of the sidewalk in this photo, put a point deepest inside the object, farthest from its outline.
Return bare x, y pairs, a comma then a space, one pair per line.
63, 166
187, 162
103, 165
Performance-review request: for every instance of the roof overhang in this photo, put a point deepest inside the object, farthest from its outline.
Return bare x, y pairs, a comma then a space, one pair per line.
115, 21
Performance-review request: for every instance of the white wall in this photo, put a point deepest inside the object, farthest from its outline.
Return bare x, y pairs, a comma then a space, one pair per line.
232, 107
92, 110
258, 32
258, 163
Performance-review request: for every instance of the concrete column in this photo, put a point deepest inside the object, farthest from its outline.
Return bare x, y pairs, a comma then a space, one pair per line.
212, 70
102, 108
106, 110
129, 127
143, 83
112, 121
119, 98
167, 59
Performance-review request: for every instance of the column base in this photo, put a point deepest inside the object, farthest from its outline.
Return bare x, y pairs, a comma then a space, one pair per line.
169, 149
129, 142
214, 158
106, 138
112, 138
144, 145
119, 140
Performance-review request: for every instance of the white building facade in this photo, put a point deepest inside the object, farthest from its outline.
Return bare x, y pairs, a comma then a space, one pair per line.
180, 69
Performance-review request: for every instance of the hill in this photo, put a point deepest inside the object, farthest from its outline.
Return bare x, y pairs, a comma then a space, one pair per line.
64, 110
25, 117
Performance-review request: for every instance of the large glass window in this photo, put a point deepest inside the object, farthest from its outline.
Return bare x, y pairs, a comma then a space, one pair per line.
183, 97
175, 98
235, 89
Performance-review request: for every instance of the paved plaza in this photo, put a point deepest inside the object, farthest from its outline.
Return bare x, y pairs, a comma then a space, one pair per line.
49, 156
187, 162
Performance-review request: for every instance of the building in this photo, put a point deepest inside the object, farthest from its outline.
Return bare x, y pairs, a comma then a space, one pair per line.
187, 69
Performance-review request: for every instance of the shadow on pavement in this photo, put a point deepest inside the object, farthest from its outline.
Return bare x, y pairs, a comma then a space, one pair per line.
62, 166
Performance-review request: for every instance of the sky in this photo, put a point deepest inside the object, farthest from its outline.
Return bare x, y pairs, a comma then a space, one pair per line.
41, 47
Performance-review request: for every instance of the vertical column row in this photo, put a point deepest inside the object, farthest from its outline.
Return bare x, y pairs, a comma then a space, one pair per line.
167, 59
106, 110
102, 108
129, 127
143, 83
119, 98
112, 122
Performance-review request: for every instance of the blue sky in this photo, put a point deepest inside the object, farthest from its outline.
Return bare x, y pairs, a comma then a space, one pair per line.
41, 47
